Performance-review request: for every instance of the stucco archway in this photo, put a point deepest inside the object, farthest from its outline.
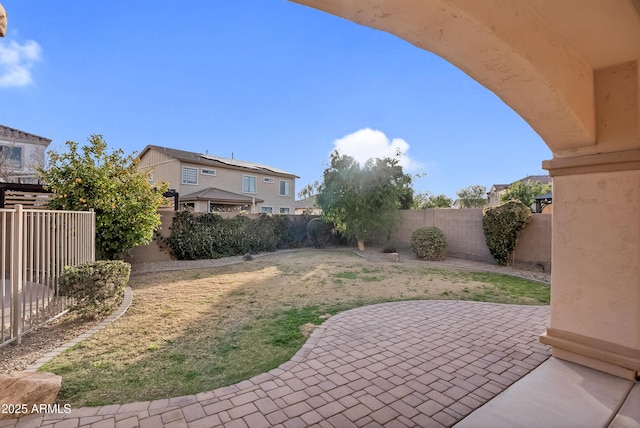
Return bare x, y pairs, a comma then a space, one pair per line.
571, 69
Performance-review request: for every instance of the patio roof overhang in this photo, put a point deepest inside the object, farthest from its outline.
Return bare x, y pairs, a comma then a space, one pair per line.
221, 197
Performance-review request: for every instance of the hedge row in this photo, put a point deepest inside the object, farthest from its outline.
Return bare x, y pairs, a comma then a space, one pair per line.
209, 236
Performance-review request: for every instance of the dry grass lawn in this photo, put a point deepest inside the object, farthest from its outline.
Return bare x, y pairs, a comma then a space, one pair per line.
196, 330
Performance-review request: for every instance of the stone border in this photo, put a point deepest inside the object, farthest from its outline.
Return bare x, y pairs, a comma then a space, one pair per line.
126, 302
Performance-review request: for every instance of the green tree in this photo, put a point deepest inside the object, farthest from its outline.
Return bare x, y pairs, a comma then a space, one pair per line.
525, 192
362, 200
473, 196
121, 195
429, 200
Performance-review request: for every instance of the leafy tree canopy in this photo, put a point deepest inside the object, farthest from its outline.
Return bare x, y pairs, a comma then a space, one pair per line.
429, 200
359, 200
473, 196
121, 195
525, 192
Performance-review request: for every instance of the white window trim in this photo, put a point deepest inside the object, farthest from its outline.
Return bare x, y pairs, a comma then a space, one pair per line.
11, 147
182, 175
282, 194
266, 212
284, 208
255, 182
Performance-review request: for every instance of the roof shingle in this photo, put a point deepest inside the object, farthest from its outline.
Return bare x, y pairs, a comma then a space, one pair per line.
207, 159
11, 134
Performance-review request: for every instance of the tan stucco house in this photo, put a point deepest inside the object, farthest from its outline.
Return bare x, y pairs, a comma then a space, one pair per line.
307, 206
497, 190
21, 153
208, 183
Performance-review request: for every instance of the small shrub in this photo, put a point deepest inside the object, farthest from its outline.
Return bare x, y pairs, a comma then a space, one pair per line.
502, 226
98, 287
429, 243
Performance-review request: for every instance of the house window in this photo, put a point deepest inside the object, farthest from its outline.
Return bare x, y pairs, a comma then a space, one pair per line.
189, 175
284, 210
266, 210
268, 180
248, 184
205, 171
189, 206
285, 188
12, 155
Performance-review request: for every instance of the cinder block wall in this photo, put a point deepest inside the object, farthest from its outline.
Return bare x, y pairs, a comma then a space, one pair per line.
465, 237
154, 252
534, 245
463, 228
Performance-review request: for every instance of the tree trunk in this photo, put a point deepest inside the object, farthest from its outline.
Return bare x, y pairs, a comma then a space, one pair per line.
360, 245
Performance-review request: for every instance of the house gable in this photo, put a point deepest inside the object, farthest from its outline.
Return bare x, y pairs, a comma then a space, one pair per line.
194, 173
22, 153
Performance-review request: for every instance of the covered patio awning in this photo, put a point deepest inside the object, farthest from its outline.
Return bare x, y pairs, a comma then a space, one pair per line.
221, 197
542, 201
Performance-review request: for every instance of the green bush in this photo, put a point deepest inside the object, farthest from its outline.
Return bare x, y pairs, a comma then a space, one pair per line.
502, 226
98, 287
208, 236
429, 243
320, 232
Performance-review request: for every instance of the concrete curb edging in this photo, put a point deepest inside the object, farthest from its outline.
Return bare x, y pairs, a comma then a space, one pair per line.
126, 302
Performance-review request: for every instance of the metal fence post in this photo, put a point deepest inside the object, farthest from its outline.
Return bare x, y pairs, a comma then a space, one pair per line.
92, 251
16, 271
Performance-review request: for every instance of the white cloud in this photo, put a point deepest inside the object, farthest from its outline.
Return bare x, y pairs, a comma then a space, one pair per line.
16, 61
369, 143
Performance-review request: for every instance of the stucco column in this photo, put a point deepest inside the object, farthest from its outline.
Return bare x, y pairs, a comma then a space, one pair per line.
595, 281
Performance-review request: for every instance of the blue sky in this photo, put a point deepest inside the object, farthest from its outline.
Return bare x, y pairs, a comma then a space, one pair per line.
267, 80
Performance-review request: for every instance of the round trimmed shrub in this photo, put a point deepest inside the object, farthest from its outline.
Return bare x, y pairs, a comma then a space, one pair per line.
429, 243
97, 287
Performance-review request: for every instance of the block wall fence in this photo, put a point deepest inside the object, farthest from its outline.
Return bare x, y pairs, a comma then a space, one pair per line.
463, 228
465, 237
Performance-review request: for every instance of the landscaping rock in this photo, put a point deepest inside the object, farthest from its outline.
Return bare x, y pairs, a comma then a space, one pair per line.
393, 257
23, 390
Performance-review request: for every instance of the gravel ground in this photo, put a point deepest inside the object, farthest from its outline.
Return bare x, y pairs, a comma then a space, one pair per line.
42, 340
60, 331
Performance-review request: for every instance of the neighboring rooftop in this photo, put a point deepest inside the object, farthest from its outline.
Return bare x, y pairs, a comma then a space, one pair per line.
309, 202
207, 159
530, 179
11, 134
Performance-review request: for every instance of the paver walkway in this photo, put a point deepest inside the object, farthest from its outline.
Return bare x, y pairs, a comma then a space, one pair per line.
404, 364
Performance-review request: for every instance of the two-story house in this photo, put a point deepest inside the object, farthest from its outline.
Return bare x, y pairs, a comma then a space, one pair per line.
497, 190
21, 154
208, 183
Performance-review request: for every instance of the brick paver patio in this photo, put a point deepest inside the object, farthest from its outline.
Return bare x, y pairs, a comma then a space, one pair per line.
403, 364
